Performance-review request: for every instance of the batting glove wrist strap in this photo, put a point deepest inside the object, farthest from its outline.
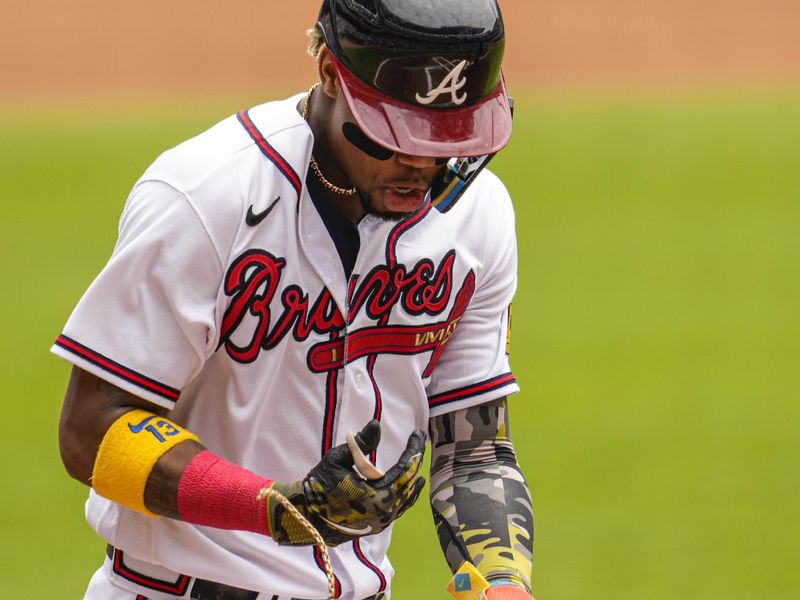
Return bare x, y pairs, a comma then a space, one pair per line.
342, 505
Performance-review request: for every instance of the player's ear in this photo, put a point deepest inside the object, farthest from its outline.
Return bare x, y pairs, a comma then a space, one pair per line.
327, 72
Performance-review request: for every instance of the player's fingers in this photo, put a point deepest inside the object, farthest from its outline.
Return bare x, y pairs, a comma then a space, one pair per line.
407, 466
369, 437
414, 447
338, 460
341, 457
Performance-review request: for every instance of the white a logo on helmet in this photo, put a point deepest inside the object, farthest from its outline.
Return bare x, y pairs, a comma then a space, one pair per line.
451, 84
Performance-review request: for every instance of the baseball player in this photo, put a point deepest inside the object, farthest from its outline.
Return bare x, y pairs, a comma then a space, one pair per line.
331, 264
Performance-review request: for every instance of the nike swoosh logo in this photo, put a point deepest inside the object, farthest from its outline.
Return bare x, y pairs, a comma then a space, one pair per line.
254, 219
348, 530
140, 426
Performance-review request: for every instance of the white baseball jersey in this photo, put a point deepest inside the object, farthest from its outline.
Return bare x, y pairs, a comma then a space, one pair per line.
226, 302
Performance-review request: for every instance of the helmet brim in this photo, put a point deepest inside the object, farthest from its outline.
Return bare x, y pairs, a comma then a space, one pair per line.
475, 130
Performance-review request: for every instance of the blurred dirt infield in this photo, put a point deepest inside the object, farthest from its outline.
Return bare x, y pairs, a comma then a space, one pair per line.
94, 45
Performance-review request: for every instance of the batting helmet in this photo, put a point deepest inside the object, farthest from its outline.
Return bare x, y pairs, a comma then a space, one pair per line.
422, 77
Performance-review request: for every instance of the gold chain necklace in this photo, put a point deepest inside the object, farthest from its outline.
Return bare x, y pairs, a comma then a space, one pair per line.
322, 179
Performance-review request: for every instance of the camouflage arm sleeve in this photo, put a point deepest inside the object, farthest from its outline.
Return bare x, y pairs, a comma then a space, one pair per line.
480, 500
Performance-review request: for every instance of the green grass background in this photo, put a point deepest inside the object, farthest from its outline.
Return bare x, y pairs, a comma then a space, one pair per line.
656, 338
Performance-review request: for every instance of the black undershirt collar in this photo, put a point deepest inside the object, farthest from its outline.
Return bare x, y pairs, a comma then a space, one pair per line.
342, 230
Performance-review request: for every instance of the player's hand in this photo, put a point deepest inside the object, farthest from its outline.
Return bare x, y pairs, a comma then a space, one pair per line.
340, 503
507, 592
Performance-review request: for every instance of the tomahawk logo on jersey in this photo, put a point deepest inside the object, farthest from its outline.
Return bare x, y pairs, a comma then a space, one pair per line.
233, 303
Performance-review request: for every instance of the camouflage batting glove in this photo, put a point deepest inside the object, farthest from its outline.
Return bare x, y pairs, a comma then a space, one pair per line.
341, 504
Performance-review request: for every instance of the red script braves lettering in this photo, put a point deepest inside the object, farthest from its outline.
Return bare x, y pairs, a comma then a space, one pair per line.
253, 281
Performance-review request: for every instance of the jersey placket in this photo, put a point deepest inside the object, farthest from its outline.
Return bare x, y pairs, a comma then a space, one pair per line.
369, 230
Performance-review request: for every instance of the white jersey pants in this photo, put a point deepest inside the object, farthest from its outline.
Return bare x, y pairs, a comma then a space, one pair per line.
107, 585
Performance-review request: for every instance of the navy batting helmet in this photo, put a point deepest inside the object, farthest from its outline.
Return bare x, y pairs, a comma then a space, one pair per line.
422, 77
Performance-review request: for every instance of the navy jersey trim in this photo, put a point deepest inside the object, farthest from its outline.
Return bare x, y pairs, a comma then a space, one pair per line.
115, 368
475, 389
273, 155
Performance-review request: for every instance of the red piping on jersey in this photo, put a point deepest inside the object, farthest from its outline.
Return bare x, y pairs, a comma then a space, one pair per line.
330, 411
367, 563
270, 152
472, 390
373, 456
459, 308
391, 243
177, 588
330, 407
378, 397
117, 369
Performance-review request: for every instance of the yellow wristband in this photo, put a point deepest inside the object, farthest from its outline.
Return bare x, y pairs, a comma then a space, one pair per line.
129, 451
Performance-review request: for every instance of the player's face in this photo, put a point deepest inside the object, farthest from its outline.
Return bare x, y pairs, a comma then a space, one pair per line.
395, 189
389, 187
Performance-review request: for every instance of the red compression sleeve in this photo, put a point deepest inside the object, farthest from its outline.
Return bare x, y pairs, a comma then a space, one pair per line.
220, 494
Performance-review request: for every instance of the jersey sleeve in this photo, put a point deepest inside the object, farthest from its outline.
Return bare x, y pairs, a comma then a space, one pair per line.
474, 367
147, 323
